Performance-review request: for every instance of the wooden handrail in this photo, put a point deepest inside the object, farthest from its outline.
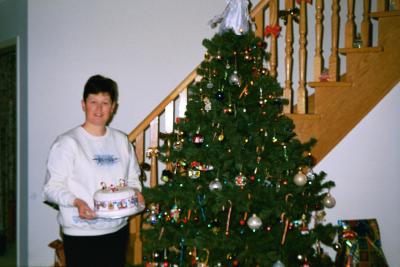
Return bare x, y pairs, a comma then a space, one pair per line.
158, 110
260, 7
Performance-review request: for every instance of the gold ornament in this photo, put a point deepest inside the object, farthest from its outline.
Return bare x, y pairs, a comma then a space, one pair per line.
221, 136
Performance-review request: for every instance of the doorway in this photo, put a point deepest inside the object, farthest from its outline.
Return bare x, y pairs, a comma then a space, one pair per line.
8, 157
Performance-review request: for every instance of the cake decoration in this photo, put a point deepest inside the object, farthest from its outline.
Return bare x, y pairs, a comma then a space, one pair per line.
116, 201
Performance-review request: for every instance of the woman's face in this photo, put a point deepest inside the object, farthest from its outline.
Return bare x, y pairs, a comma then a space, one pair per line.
98, 109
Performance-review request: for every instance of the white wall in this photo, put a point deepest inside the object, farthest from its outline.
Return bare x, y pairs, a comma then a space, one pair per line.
148, 47
365, 167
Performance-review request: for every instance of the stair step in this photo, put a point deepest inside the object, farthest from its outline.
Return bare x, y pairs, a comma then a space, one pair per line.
361, 50
383, 14
308, 117
329, 84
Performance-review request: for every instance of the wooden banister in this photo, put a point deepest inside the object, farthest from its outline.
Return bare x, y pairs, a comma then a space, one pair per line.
259, 8
160, 108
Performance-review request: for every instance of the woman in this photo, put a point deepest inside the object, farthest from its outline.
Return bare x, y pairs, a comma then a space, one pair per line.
80, 162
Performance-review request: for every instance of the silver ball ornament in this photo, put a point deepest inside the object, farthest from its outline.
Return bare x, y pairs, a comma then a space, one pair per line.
234, 78
254, 222
329, 201
153, 219
215, 185
310, 174
300, 179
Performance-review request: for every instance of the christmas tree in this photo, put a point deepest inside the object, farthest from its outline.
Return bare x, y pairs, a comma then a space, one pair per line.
239, 189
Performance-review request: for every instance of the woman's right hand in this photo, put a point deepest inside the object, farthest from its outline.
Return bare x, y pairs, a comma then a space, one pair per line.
85, 212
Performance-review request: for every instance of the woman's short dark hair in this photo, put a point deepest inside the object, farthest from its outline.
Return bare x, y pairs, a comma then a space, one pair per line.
100, 84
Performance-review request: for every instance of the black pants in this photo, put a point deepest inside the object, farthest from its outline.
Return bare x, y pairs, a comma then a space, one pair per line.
96, 251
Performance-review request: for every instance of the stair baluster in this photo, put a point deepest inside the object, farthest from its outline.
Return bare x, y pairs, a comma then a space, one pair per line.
288, 90
301, 90
366, 25
273, 22
350, 25
318, 39
334, 58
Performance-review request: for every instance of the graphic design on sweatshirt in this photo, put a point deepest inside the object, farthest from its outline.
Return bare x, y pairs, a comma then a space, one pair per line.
79, 220
105, 160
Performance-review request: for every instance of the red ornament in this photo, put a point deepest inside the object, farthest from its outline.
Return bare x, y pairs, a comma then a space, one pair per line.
240, 180
235, 263
195, 164
198, 139
272, 30
242, 222
182, 119
228, 110
349, 234
304, 230
261, 44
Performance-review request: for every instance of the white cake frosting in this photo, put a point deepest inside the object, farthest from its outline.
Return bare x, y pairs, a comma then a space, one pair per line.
116, 202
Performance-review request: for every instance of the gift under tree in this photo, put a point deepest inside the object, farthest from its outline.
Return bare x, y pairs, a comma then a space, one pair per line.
240, 190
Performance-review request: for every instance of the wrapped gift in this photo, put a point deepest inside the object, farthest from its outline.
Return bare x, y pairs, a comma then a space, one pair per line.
360, 244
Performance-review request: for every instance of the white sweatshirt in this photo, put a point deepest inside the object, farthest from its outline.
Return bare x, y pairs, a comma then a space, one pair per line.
77, 165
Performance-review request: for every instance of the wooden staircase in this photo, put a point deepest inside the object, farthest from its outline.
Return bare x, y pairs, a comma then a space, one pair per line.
371, 73
336, 106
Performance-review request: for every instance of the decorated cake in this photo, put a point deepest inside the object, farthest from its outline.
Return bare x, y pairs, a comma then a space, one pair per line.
116, 202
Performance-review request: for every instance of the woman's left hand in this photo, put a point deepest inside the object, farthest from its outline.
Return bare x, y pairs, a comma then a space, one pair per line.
140, 197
